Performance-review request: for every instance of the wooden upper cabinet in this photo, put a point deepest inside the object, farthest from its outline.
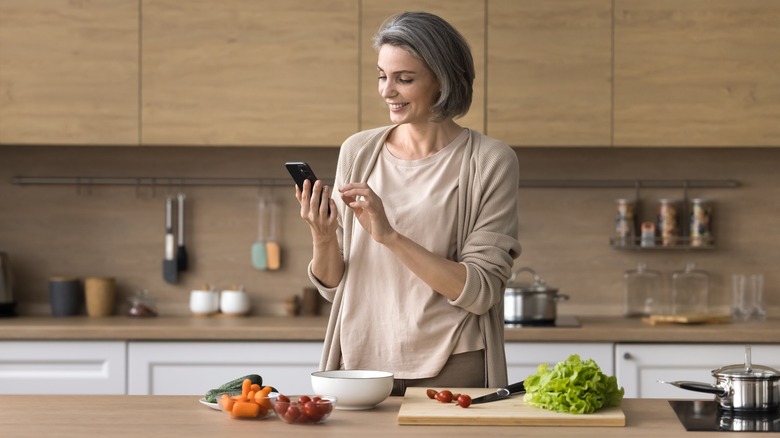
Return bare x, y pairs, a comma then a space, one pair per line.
69, 72
697, 73
467, 16
260, 72
549, 72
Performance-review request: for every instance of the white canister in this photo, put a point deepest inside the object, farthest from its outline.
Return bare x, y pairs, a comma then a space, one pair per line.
204, 302
234, 302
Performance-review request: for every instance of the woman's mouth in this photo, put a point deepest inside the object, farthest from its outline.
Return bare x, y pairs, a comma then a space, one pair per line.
396, 106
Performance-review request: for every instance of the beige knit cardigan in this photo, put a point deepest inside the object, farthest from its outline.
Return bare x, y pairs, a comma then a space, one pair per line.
486, 237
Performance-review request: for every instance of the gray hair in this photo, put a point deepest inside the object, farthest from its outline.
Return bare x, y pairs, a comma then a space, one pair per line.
442, 49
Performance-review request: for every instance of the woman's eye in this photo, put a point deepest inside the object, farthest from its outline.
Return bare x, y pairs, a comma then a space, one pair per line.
405, 81
382, 78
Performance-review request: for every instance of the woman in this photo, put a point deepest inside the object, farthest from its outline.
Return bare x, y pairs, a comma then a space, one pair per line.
421, 236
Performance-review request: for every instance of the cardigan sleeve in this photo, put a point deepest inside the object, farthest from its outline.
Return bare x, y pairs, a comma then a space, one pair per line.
490, 240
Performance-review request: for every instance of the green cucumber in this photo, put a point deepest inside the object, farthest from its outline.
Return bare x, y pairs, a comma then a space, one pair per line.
236, 383
232, 387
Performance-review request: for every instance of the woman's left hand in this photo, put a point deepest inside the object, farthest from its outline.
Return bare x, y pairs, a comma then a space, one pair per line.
369, 210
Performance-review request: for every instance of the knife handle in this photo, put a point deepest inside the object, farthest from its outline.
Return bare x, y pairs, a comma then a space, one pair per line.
515, 388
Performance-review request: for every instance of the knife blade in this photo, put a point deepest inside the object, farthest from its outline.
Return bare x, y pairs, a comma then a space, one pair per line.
500, 394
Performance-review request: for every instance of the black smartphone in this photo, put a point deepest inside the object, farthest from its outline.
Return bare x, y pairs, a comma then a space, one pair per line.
301, 171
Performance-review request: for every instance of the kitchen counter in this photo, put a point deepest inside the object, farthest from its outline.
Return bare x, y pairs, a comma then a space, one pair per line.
185, 328
177, 416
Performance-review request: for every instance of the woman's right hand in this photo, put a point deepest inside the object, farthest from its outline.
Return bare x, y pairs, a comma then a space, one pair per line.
322, 222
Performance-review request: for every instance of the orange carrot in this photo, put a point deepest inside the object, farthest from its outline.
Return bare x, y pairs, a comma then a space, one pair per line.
251, 395
255, 387
261, 397
245, 410
246, 386
227, 403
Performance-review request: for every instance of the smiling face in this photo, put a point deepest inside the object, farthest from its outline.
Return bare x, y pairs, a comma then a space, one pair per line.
407, 86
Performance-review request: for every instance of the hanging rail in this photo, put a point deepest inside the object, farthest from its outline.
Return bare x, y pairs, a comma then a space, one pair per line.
255, 182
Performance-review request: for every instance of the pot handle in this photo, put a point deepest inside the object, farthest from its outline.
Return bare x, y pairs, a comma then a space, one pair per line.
698, 387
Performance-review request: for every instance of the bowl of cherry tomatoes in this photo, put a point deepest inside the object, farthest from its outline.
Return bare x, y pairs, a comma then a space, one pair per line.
305, 409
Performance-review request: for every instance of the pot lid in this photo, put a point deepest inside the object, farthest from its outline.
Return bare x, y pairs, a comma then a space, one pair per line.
740, 371
538, 284
747, 370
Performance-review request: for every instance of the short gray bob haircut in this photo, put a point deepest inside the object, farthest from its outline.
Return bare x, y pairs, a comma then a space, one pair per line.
442, 49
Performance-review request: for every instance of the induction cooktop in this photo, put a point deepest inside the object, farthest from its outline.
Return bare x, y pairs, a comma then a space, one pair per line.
706, 415
560, 321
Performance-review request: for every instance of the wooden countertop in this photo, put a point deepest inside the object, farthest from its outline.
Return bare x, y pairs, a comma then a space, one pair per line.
177, 416
185, 328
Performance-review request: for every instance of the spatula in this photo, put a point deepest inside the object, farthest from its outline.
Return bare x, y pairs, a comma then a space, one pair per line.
272, 249
181, 254
259, 258
170, 271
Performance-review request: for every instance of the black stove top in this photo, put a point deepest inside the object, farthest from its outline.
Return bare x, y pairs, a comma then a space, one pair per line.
561, 321
706, 415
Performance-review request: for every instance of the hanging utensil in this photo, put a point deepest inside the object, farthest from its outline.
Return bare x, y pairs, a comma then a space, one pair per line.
181, 253
272, 249
259, 258
169, 262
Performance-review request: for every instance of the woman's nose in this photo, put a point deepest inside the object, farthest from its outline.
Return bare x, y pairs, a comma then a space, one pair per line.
386, 89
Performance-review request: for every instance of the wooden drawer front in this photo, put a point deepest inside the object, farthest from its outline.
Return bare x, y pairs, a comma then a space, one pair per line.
62, 367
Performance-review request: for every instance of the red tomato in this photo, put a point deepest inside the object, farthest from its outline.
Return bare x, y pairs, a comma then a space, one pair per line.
292, 414
303, 399
325, 406
464, 401
431, 393
281, 407
444, 396
312, 411
283, 398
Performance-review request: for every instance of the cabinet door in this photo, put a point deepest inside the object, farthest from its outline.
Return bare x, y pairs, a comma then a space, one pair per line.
260, 72
192, 368
549, 72
523, 358
69, 72
62, 367
467, 16
697, 73
641, 366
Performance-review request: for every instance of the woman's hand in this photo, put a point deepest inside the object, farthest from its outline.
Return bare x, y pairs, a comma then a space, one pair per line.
315, 202
369, 210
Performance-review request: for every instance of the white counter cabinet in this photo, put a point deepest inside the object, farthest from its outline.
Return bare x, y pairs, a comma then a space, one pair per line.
63, 367
192, 368
639, 367
523, 358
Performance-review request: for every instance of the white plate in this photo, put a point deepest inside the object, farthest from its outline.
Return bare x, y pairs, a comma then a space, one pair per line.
211, 405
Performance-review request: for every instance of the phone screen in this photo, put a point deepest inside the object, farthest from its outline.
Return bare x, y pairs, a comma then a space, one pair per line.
301, 171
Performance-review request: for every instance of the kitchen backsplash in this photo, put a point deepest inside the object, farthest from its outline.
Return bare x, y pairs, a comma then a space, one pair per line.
118, 231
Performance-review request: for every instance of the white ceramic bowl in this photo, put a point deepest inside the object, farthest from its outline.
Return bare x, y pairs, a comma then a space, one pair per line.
355, 389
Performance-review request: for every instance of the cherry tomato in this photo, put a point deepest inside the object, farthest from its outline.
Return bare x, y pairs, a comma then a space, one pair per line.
464, 401
281, 407
431, 393
444, 396
303, 399
325, 406
283, 398
312, 411
292, 414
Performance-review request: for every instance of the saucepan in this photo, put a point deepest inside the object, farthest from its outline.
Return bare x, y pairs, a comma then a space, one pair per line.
742, 387
530, 303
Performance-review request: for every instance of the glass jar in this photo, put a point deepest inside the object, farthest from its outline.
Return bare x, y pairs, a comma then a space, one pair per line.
642, 292
690, 291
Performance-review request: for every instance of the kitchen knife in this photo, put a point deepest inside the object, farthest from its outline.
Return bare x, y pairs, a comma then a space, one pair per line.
181, 254
170, 270
500, 394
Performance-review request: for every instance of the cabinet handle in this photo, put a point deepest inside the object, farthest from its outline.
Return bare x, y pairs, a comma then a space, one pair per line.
627, 356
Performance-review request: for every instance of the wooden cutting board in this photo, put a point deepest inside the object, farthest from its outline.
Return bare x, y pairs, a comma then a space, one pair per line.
417, 408
687, 318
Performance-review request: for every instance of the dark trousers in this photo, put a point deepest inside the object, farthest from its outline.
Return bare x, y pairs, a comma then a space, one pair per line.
464, 370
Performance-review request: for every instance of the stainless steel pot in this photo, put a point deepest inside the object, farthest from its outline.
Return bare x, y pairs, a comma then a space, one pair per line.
742, 387
530, 303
